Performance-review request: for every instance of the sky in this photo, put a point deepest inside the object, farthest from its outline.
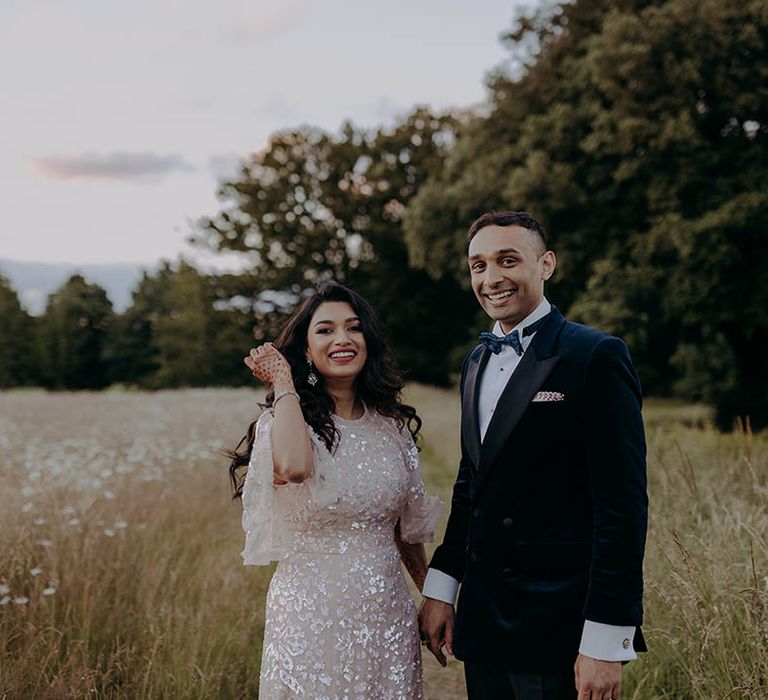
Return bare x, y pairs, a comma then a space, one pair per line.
119, 119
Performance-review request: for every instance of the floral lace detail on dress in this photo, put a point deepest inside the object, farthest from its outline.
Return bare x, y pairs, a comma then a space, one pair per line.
421, 513
340, 622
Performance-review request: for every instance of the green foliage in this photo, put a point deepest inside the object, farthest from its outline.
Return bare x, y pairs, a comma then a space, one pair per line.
130, 352
173, 335
18, 361
181, 336
71, 336
314, 206
637, 132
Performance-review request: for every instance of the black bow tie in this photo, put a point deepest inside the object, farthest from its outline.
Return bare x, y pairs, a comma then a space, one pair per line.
512, 339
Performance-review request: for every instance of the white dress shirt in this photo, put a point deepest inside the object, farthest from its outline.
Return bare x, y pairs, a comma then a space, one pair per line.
598, 640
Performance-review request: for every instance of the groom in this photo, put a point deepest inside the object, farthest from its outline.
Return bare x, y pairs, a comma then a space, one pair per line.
548, 517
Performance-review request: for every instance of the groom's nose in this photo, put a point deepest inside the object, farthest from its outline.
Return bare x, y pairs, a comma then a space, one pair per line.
492, 276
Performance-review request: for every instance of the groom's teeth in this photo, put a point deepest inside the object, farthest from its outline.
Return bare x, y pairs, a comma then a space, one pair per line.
501, 295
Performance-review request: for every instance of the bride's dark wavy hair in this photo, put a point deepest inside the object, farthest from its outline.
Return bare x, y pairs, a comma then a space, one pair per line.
379, 384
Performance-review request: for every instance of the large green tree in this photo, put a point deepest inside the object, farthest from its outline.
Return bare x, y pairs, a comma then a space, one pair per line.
18, 359
71, 336
637, 132
314, 206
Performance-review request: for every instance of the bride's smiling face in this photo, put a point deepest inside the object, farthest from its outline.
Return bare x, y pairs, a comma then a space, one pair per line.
335, 341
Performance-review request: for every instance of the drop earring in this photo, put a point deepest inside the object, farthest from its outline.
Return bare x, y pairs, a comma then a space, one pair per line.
311, 377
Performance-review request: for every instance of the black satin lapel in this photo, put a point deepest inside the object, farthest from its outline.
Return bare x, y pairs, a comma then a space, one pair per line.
521, 388
469, 423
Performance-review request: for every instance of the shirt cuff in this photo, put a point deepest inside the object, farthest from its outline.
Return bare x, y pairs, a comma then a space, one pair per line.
440, 586
607, 642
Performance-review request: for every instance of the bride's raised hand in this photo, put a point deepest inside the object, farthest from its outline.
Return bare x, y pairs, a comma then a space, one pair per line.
268, 364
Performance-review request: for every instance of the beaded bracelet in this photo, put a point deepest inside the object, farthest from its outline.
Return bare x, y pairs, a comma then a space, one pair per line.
286, 392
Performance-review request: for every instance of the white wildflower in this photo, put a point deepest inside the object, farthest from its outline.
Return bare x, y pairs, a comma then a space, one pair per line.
40, 521
4, 589
5, 600
121, 524
21, 600
49, 591
109, 532
27, 507
36, 571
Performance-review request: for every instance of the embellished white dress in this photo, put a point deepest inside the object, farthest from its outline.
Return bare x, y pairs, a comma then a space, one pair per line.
340, 622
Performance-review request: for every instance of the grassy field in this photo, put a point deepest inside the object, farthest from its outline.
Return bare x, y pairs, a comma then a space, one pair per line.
120, 573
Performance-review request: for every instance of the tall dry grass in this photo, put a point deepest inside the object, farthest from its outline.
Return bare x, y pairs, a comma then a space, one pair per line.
118, 505
706, 565
120, 574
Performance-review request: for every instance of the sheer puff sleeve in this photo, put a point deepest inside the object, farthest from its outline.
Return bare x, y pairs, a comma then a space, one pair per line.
270, 512
421, 513
263, 534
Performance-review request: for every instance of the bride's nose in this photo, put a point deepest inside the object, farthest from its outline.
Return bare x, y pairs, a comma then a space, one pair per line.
342, 338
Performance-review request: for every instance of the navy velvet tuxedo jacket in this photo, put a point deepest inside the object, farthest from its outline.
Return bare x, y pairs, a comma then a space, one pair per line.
549, 513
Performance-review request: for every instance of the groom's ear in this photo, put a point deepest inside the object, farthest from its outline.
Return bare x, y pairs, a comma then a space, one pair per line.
548, 263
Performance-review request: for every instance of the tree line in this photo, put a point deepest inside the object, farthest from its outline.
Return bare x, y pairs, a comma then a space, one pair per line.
171, 336
634, 130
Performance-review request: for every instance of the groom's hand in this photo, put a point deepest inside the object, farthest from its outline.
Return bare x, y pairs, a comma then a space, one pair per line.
436, 627
597, 680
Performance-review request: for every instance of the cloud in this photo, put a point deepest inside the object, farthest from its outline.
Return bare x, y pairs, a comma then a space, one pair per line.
117, 166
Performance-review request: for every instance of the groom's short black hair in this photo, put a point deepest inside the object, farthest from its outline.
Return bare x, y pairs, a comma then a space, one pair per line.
509, 218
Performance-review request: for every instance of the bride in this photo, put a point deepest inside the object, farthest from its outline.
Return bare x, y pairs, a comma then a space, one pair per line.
334, 492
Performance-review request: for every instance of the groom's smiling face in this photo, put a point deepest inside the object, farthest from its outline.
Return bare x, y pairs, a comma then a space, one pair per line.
508, 267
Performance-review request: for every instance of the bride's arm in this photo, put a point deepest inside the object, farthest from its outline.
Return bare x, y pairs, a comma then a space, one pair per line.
291, 448
414, 557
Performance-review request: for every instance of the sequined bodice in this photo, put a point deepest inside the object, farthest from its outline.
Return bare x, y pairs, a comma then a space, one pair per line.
370, 484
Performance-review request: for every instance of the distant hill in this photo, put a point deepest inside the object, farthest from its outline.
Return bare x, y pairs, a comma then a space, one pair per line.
35, 281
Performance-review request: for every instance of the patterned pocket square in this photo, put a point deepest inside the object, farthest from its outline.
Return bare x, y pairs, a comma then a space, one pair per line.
548, 396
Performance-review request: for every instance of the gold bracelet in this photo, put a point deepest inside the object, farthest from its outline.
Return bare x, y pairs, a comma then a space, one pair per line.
285, 392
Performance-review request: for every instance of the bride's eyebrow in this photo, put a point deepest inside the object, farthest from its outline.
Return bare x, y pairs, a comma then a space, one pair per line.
351, 319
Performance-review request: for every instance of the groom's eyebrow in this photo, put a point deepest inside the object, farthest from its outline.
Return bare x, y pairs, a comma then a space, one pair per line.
501, 251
